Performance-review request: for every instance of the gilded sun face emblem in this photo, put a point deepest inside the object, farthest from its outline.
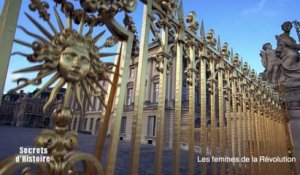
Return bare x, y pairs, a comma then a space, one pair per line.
73, 58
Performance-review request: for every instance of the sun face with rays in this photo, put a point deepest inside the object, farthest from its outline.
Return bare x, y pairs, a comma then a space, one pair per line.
73, 57
74, 63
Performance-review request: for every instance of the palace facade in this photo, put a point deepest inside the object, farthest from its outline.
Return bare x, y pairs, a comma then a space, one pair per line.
91, 119
21, 109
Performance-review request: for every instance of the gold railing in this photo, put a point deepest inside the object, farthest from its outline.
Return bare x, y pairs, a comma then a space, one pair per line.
246, 118
245, 114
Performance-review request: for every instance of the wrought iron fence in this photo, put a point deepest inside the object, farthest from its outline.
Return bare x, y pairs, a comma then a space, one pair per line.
256, 120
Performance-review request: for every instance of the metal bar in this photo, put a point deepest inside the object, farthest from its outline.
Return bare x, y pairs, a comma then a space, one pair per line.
161, 102
278, 135
178, 102
107, 111
240, 125
213, 136
263, 135
111, 157
229, 122
221, 116
245, 131
268, 146
191, 142
203, 106
9, 18
160, 121
250, 131
271, 139
258, 138
138, 113
254, 131
235, 126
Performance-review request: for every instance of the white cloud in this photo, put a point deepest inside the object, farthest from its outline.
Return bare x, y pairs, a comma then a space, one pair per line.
253, 10
270, 13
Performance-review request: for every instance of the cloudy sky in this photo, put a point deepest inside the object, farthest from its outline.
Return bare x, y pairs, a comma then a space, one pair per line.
245, 24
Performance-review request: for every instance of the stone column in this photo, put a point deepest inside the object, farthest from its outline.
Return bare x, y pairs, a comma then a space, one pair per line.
291, 96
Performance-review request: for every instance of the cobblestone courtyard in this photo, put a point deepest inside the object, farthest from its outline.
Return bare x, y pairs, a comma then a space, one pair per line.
13, 138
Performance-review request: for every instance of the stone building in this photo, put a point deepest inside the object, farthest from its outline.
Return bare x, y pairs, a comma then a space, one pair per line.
20, 109
90, 120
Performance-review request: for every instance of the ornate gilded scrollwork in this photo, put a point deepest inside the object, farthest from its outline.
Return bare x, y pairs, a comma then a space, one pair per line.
161, 59
245, 68
73, 58
41, 7
212, 41
129, 23
168, 5
236, 60
193, 25
211, 82
225, 51
190, 73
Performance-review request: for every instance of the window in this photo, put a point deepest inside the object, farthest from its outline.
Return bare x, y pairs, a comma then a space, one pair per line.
129, 96
94, 104
75, 124
85, 123
91, 124
123, 125
97, 125
131, 72
156, 92
151, 126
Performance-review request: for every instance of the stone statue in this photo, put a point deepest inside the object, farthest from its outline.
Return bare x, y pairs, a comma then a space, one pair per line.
271, 63
282, 65
287, 51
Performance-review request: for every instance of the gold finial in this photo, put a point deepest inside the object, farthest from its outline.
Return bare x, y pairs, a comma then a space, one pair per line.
193, 25
231, 54
219, 43
245, 68
225, 51
211, 38
202, 32
180, 12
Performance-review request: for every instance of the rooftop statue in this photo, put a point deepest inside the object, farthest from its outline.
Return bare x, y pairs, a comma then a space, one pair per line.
282, 66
